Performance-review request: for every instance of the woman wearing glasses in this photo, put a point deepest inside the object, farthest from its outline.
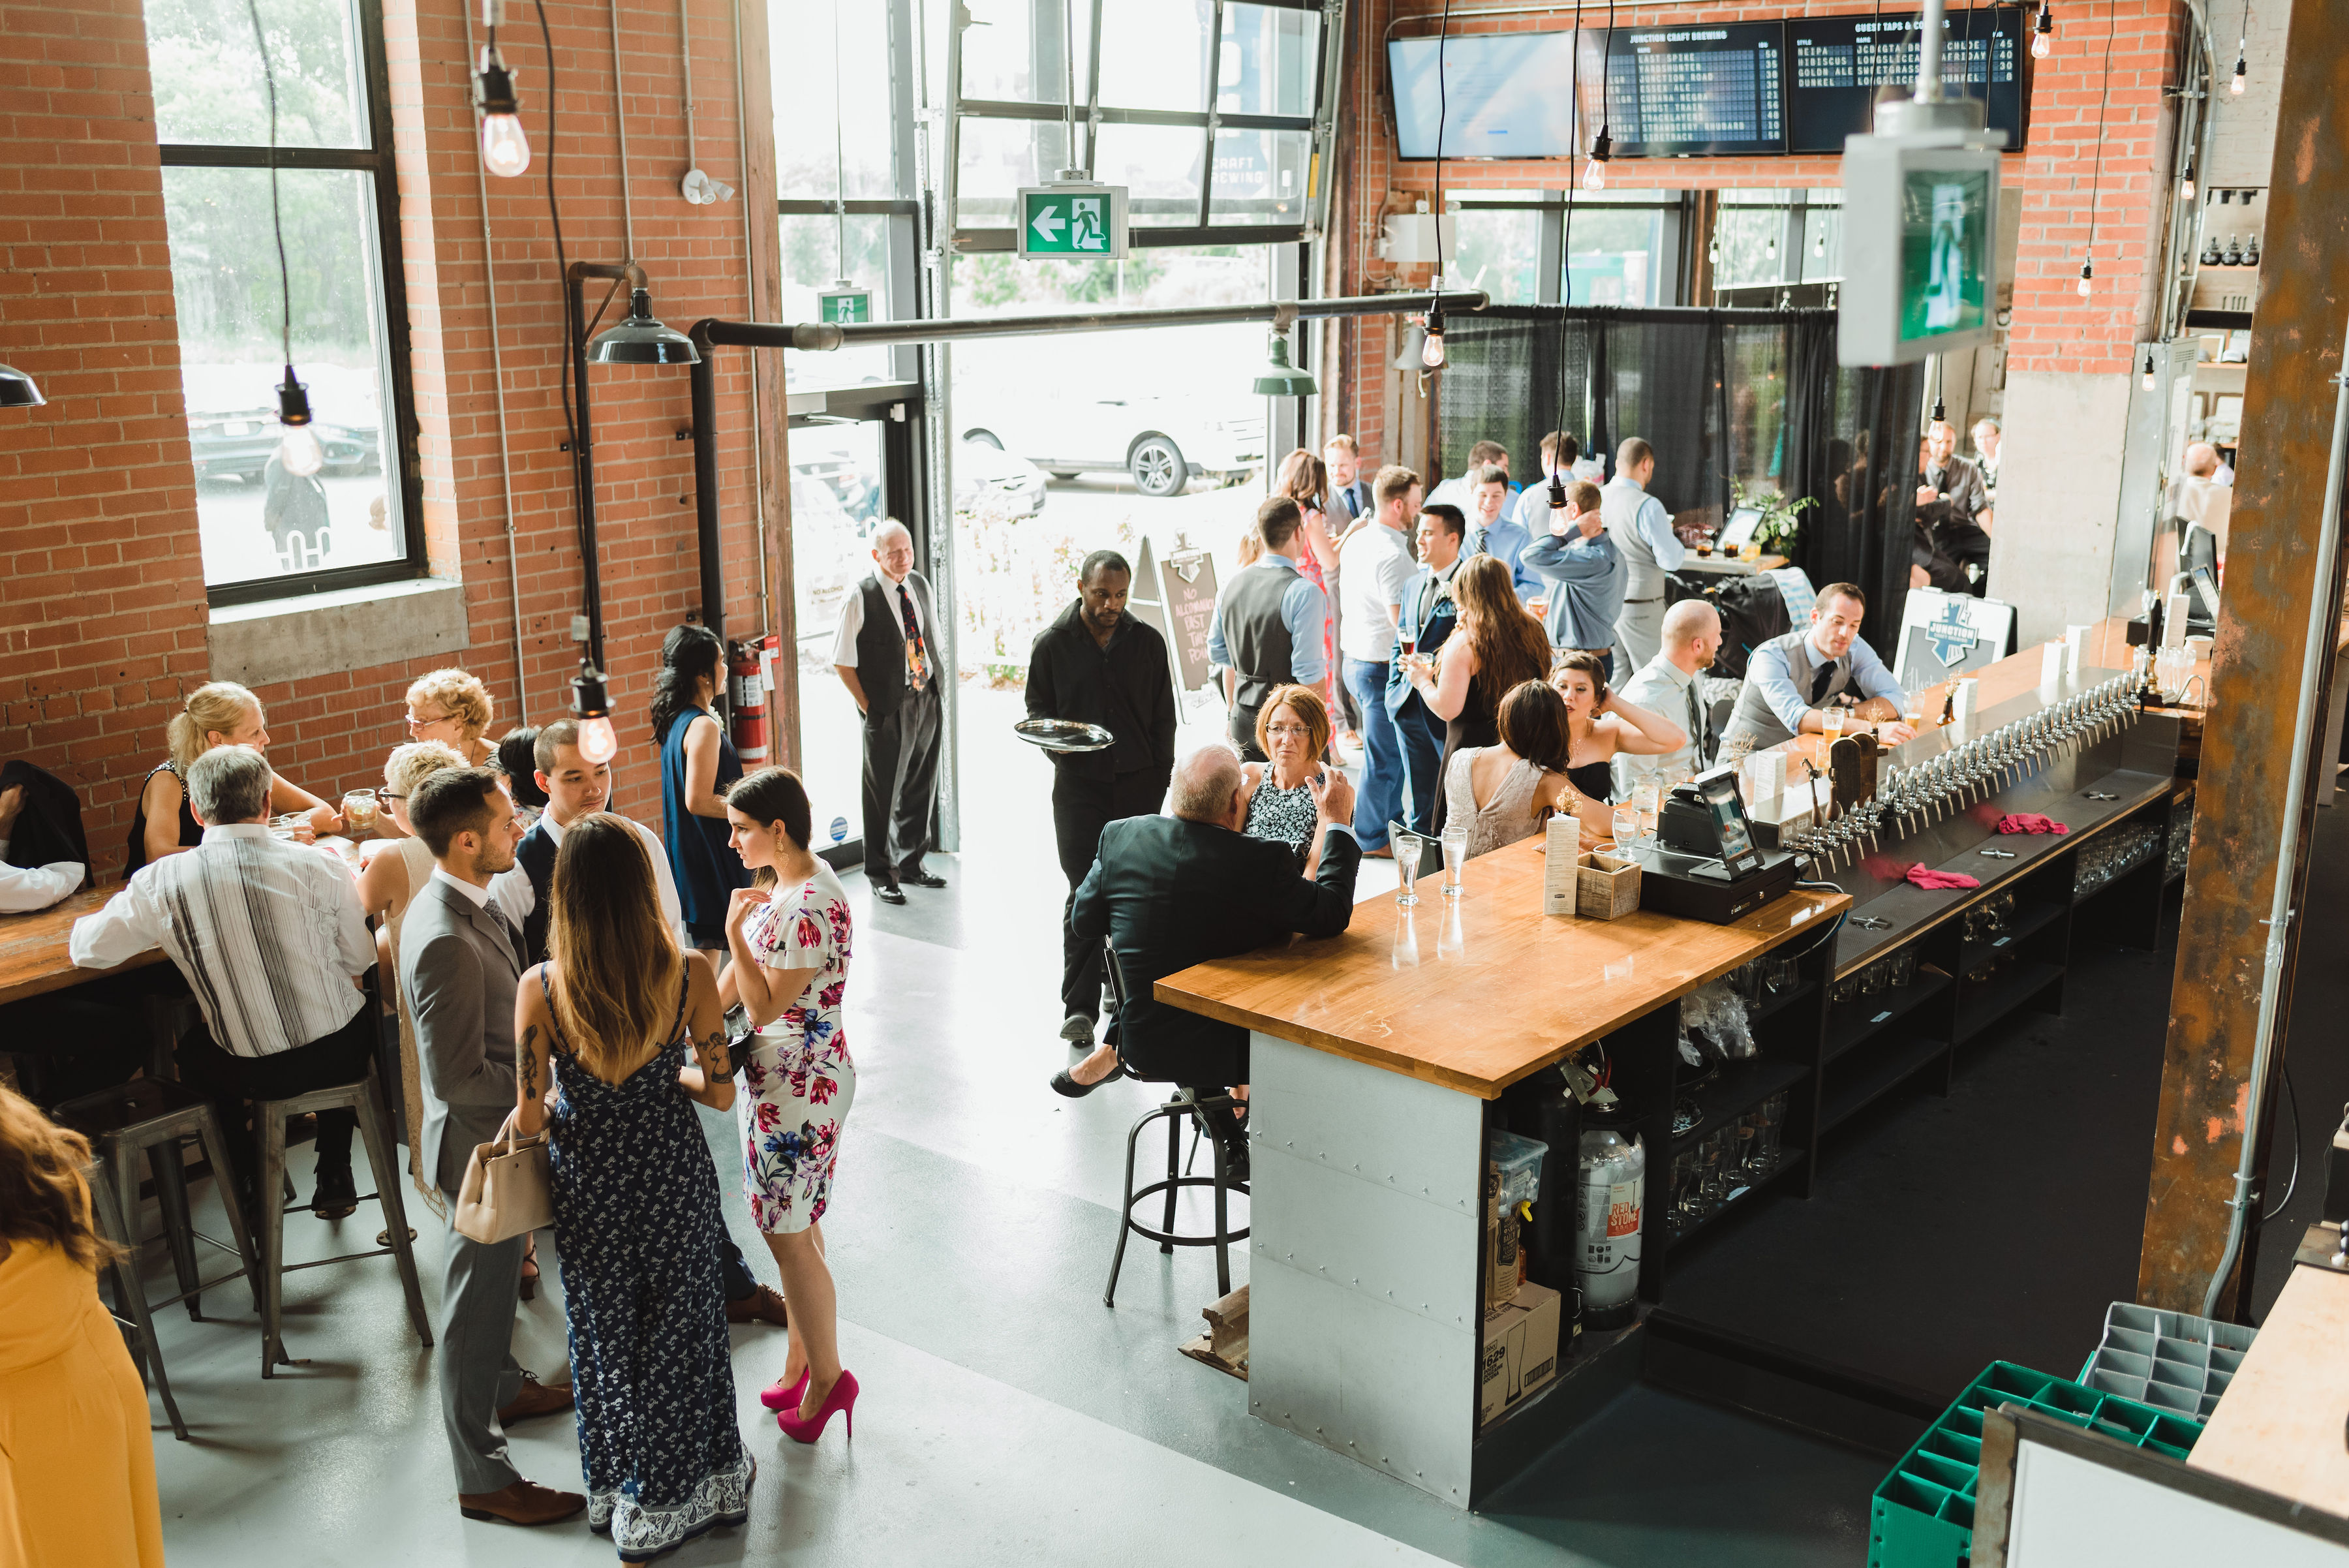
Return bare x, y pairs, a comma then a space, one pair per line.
453, 707
1292, 729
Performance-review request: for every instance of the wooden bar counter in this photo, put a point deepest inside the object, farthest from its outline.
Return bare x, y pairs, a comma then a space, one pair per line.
1375, 1057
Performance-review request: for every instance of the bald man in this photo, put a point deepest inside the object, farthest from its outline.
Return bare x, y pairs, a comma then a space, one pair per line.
1668, 684
884, 656
1172, 891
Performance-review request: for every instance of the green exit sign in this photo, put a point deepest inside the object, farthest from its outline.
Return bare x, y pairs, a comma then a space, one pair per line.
1087, 222
844, 307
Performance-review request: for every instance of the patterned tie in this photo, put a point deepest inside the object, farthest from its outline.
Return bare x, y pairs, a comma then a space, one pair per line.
505, 927
917, 655
1696, 723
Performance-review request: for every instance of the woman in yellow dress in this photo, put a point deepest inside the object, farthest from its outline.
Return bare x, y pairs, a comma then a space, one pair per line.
77, 1460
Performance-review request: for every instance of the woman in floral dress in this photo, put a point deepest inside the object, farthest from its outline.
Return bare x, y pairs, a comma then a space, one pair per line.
789, 935
630, 1031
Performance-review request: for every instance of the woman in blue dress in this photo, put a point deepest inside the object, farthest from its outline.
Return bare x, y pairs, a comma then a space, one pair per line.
619, 1033
698, 766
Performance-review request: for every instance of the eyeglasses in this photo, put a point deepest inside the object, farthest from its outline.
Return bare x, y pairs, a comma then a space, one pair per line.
386, 796
415, 722
1292, 731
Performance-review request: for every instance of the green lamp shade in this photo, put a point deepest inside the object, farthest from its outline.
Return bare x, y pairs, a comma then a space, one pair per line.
641, 341
17, 391
1282, 380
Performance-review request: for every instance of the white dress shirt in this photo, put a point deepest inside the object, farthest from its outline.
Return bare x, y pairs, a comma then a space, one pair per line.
852, 615
518, 899
23, 889
1375, 566
269, 933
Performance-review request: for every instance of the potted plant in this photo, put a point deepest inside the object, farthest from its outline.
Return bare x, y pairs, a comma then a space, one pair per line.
1780, 529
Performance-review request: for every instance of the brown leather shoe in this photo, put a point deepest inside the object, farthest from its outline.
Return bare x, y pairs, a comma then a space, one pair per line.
523, 1503
536, 1398
764, 1305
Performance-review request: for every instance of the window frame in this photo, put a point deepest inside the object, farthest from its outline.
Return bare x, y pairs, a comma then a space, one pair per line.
401, 439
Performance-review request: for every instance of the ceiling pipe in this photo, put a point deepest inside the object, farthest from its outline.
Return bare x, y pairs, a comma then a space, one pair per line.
823, 336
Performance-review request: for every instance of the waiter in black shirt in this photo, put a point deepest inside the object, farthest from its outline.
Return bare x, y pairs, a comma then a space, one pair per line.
1098, 665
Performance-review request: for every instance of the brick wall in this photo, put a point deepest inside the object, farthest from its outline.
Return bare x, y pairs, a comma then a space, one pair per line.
99, 638
2052, 176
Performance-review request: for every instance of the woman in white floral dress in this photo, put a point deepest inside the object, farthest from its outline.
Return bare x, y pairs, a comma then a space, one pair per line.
789, 935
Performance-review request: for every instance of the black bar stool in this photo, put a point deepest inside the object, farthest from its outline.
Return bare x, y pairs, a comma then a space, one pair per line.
1186, 1105
269, 1118
122, 1271
156, 1116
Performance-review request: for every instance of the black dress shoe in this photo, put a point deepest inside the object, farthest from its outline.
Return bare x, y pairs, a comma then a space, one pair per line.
337, 1196
888, 892
921, 879
1064, 1084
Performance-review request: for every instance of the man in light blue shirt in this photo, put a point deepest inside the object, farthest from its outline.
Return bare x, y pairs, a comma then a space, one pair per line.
1492, 531
1461, 489
1585, 572
1267, 627
1790, 678
1642, 532
1531, 508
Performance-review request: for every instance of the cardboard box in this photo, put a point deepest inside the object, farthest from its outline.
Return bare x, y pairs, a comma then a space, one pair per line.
1520, 1351
1501, 1263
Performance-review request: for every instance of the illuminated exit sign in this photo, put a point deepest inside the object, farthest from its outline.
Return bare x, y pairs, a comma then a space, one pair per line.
1084, 221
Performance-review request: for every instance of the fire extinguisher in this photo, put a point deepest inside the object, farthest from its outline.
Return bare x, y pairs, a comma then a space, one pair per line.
747, 697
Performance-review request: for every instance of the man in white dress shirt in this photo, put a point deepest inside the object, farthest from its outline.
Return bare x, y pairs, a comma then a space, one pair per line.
1642, 532
575, 788
1668, 684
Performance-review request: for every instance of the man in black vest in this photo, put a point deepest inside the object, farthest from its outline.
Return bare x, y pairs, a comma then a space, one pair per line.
1267, 627
1098, 665
575, 788
885, 659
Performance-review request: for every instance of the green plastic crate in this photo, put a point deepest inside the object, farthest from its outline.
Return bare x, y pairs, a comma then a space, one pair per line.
1923, 1514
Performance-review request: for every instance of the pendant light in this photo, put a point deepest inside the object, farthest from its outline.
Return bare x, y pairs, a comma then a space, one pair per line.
17, 390
1431, 352
1594, 168
2043, 32
2087, 271
2186, 186
2146, 380
505, 149
641, 341
591, 704
298, 452
1279, 378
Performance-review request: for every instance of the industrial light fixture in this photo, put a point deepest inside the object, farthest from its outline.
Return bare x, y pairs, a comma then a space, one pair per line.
505, 151
298, 451
1594, 168
2242, 68
1279, 378
641, 341
2087, 271
16, 389
1819, 245
1414, 345
2043, 32
1940, 411
1431, 352
2146, 380
591, 704
2186, 186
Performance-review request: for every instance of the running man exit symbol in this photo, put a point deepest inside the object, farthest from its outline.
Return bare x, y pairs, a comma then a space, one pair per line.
1086, 221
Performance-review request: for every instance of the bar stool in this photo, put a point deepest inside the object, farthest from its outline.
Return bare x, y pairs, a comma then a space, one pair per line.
156, 1116
138, 1328
1187, 1104
269, 1119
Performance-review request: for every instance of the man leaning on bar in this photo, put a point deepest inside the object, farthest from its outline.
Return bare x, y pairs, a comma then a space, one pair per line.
1792, 678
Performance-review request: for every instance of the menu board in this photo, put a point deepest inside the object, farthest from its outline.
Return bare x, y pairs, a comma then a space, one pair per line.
1840, 61
1680, 91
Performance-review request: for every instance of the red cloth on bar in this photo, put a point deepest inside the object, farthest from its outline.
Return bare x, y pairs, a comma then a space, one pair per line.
1927, 878
2030, 822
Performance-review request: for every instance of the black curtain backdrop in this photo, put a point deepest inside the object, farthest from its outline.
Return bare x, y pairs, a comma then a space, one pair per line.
1751, 394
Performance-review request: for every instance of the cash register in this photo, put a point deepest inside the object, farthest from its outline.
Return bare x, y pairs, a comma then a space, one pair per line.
1704, 864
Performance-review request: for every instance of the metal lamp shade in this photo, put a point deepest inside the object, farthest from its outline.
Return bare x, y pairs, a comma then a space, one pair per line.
1414, 343
17, 391
1279, 379
641, 341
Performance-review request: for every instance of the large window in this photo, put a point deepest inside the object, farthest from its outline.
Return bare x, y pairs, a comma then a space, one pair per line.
266, 531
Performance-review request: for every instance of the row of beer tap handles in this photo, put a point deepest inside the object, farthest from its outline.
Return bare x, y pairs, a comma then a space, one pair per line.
1910, 799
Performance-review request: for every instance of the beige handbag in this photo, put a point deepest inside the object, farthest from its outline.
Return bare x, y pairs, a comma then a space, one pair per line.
509, 1187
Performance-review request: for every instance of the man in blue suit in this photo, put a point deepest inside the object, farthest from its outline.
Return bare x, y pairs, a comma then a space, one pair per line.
1427, 619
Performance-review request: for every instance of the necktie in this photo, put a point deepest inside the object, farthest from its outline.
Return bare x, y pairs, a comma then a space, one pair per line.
916, 663
1820, 680
1696, 723
505, 927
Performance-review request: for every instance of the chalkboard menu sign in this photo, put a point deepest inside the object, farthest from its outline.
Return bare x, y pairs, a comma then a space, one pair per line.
1189, 578
1680, 91
1840, 61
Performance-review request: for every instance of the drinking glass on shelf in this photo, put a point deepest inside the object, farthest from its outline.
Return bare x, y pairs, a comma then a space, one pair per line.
1773, 1129
1904, 967
1456, 857
1782, 974
1626, 824
1872, 979
1845, 990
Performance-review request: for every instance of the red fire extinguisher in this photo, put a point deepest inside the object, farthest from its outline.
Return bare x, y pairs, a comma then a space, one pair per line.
747, 696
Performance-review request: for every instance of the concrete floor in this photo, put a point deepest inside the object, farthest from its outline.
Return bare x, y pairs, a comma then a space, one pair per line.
1006, 1416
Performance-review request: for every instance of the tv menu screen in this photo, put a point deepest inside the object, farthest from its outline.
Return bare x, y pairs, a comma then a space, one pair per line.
1503, 95
1687, 90
1839, 62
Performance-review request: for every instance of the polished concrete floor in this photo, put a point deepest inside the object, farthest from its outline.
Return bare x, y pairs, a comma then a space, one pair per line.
1006, 1416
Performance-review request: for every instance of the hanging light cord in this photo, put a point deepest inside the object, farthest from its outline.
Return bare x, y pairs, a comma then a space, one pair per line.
1443, 110
839, 154
2104, 96
562, 280
1566, 241
277, 221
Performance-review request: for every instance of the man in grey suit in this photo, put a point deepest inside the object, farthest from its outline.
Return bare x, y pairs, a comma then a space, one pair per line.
459, 960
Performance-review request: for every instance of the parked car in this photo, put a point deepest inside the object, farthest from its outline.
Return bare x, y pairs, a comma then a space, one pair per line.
1163, 443
985, 472
238, 444
233, 418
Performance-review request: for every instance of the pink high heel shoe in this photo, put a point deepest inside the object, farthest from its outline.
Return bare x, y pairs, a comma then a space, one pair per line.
843, 1398
776, 1397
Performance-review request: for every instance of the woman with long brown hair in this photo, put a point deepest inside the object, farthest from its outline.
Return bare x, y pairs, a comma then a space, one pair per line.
1305, 478
77, 1465
1601, 724
631, 1030
1495, 646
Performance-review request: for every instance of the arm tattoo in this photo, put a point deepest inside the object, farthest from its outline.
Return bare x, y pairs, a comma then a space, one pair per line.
714, 1059
528, 1061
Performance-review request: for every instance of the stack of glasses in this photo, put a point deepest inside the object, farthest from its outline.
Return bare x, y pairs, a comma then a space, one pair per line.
1733, 1157
2117, 854
1873, 980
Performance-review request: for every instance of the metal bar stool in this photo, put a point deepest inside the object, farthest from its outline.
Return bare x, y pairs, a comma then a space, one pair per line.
1186, 1104
138, 1328
269, 1118
156, 1116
